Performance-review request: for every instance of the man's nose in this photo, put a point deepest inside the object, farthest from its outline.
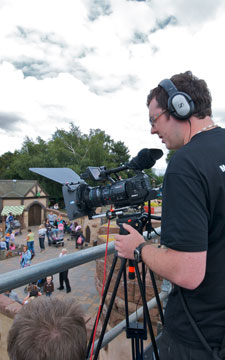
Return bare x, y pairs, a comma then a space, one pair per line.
153, 130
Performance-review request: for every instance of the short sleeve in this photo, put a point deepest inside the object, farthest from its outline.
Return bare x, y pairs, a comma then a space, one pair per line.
184, 214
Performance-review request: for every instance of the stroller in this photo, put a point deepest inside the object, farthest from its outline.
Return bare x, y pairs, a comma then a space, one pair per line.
15, 225
57, 236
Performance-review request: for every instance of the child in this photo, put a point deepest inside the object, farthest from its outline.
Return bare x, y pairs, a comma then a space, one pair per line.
80, 240
48, 286
25, 257
12, 246
41, 234
12, 236
3, 244
32, 294
7, 238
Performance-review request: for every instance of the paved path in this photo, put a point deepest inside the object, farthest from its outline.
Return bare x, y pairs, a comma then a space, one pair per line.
82, 278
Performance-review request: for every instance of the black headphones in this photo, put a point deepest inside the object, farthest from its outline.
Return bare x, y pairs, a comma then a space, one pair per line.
180, 104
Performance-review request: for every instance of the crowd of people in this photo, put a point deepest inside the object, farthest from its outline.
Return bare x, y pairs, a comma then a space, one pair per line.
54, 227
7, 242
52, 224
46, 230
33, 290
39, 304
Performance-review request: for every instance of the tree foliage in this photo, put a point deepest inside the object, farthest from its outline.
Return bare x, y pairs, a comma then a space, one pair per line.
65, 149
169, 155
71, 149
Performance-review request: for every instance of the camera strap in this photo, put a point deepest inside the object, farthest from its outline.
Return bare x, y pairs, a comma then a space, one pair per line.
217, 353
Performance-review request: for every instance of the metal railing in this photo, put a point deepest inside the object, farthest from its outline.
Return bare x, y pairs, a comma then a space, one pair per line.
17, 278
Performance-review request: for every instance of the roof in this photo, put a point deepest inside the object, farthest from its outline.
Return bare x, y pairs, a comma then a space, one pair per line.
15, 210
16, 188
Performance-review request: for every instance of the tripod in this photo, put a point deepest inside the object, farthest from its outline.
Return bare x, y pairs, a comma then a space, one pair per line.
135, 331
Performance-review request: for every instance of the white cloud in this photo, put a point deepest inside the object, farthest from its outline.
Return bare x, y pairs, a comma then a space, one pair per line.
192, 13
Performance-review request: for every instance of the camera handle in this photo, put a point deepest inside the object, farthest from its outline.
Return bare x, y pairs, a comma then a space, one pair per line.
137, 221
136, 332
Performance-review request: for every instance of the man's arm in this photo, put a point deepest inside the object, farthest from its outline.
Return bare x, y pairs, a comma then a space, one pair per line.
186, 269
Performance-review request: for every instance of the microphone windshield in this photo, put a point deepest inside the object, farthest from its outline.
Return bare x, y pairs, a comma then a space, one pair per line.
145, 159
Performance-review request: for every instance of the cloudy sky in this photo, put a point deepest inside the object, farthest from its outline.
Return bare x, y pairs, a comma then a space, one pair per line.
93, 62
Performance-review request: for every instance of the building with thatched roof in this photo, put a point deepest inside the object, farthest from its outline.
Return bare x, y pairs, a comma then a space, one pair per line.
24, 198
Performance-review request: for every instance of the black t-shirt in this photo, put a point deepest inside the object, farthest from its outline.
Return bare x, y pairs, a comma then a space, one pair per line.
193, 219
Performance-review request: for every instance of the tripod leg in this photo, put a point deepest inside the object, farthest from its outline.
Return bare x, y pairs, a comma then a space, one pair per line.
142, 350
146, 313
103, 299
122, 267
137, 349
133, 348
157, 296
144, 288
134, 341
126, 297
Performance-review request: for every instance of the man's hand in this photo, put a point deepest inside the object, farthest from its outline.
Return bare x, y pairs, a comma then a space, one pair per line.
125, 244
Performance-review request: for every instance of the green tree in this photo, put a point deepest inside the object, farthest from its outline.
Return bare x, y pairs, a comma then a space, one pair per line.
119, 153
6, 170
169, 155
31, 154
102, 150
70, 149
66, 148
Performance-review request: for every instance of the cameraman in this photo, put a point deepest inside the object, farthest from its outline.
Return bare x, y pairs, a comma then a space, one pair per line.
193, 213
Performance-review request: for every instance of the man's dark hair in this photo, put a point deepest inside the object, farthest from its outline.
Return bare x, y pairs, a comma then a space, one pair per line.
48, 329
186, 82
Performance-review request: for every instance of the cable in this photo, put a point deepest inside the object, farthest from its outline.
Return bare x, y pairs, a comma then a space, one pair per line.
190, 129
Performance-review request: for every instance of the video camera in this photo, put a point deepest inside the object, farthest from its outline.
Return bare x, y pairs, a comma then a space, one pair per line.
82, 200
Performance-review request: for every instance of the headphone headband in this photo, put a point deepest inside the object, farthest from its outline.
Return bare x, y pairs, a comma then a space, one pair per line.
180, 104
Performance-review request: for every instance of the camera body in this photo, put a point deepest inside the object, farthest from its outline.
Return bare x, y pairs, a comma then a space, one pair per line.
82, 200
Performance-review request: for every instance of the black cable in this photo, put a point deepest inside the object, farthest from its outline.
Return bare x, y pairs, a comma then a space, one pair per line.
217, 353
195, 327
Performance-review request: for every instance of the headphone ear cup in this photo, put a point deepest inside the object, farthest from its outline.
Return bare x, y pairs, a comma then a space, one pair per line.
181, 105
